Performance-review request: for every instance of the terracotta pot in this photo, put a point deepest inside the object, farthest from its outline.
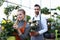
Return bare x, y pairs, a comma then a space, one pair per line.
32, 33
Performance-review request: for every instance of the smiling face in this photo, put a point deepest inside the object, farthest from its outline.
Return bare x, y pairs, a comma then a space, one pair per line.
37, 9
20, 15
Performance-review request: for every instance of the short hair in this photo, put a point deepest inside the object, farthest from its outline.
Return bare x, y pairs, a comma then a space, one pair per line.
22, 11
36, 5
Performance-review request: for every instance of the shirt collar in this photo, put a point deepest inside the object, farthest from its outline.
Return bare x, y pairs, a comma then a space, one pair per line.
37, 15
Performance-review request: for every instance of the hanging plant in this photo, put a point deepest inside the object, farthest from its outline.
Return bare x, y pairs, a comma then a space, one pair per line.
9, 9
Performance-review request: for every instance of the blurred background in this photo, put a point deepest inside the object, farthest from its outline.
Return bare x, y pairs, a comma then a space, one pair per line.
49, 8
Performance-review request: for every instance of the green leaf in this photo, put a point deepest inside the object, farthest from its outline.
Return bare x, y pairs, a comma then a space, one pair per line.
1, 2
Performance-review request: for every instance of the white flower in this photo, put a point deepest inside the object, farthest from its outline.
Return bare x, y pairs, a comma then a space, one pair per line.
32, 24
36, 24
30, 20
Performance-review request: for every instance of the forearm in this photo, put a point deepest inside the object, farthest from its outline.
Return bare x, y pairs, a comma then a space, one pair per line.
44, 26
42, 31
19, 32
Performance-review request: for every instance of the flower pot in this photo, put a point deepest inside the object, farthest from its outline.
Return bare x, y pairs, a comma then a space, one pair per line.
47, 35
32, 33
52, 35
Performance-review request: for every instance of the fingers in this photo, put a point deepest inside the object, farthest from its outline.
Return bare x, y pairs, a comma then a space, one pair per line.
15, 26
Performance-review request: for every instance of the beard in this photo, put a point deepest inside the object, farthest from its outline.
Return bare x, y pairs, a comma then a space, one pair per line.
37, 13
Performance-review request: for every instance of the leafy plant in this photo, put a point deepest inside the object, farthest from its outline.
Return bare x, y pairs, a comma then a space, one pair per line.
9, 9
45, 10
1, 2
28, 17
6, 28
51, 20
54, 24
58, 16
58, 7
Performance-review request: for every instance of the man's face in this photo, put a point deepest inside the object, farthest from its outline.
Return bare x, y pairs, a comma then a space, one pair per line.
37, 9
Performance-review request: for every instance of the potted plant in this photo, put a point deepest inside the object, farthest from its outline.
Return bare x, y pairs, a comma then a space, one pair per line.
7, 29
50, 32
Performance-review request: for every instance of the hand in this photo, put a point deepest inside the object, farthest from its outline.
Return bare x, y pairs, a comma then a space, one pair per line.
15, 26
19, 31
34, 33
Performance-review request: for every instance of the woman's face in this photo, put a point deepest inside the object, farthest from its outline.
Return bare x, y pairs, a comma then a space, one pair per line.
20, 16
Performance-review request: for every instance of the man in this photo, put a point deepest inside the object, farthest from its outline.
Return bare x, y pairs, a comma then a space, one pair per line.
38, 35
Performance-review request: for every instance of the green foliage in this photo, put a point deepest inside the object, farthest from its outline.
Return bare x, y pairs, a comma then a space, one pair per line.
51, 20
57, 24
45, 10
50, 25
54, 24
17, 7
58, 16
7, 29
8, 9
58, 7
28, 17
53, 9
1, 2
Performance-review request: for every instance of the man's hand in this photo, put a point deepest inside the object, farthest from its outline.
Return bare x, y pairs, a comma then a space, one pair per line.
34, 33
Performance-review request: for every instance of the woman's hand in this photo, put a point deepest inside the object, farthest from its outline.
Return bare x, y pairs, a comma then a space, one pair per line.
19, 31
15, 26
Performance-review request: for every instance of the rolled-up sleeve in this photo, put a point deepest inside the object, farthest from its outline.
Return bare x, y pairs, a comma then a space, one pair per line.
44, 25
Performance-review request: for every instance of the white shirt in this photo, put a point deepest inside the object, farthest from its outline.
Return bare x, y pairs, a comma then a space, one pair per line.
43, 22
37, 17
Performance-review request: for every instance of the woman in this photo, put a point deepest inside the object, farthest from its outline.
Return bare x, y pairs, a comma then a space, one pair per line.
21, 26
